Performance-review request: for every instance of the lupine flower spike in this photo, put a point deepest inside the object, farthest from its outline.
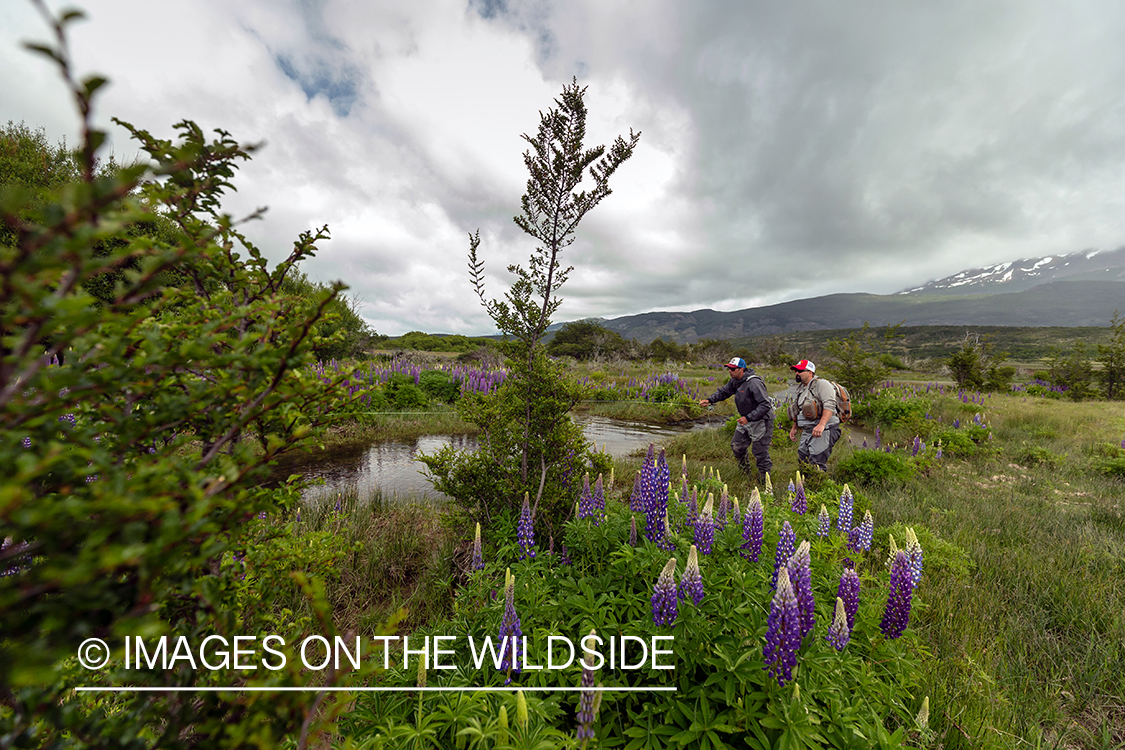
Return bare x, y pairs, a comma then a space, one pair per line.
691, 585
897, 614
786, 546
586, 506
525, 536
705, 527
752, 524
844, 515
848, 592
664, 597
914, 552
800, 501
632, 531
769, 484
824, 522
736, 513
893, 550
610, 487
693, 509
635, 500
923, 717
588, 701
783, 636
510, 632
599, 500
800, 576
866, 530
478, 558
838, 632
521, 710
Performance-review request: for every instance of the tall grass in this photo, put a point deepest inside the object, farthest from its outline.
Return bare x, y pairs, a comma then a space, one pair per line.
399, 553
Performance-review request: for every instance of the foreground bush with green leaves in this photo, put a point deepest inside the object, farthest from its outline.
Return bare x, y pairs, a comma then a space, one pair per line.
602, 577
127, 489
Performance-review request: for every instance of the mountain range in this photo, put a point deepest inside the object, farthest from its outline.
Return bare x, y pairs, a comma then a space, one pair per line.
1076, 289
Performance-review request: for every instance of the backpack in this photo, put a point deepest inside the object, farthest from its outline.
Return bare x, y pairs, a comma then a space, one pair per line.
843, 402
772, 401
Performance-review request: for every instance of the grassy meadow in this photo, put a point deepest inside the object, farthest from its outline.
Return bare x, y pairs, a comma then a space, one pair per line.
1020, 615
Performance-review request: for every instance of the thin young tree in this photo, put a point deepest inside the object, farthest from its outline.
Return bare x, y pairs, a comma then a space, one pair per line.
566, 180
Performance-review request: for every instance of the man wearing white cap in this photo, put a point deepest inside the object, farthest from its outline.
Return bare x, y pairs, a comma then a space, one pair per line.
755, 421
813, 411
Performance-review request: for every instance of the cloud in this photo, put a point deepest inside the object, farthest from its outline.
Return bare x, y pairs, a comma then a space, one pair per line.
788, 150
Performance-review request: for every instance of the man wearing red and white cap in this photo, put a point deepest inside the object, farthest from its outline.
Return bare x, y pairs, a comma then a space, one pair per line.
813, 411
755, 422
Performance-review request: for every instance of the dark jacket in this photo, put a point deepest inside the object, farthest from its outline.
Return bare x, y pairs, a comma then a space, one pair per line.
750, 397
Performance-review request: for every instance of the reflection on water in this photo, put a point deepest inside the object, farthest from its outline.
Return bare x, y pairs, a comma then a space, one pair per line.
391, 466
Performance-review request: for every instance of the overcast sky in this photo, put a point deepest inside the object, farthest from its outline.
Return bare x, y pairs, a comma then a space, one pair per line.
788, 149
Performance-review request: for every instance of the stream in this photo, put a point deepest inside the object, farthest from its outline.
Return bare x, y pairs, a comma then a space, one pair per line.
391, 466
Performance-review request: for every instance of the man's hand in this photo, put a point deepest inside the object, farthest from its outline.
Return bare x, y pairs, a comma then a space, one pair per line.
793, 432
704, 402
818, 430
743, 420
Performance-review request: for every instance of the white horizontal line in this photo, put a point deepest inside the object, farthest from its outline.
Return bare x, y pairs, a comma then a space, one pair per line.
366, 689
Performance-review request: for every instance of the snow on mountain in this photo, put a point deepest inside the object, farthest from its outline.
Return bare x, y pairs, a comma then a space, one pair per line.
1016, 276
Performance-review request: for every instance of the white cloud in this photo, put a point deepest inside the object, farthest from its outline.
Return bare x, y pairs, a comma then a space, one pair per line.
788, 149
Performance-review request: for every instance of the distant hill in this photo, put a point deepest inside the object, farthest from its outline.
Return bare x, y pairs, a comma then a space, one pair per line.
1058, 303
1020, 275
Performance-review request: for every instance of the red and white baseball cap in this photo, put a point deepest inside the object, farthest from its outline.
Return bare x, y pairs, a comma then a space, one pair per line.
804, 364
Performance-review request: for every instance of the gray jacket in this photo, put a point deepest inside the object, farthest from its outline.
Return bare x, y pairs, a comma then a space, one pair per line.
751, 399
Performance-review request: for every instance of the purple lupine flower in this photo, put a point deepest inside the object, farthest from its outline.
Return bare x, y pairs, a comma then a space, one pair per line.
800, 576
915, 446
854, 539
68, 419
478, 557
26, 443
632, 531
636, 500
564, 557
938, 454
866, 530
705, 528
913, 551
589, 700
736, 513
878, 439
510, 632
599, 500
691, 585
586, 507
956, 423
824, 522
525, 531
692, 509
783, 637
838, 632
724, 510
657, 499
683, 488
664, 597
752, 524
848, 591
786, 546
791, 492
799, 502
897, 614
845, 513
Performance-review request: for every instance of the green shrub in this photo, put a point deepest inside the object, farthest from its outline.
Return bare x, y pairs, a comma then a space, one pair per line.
409, 396
1032, 455
955, 443
1111, 467
867, 467
887, 409
439, 385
